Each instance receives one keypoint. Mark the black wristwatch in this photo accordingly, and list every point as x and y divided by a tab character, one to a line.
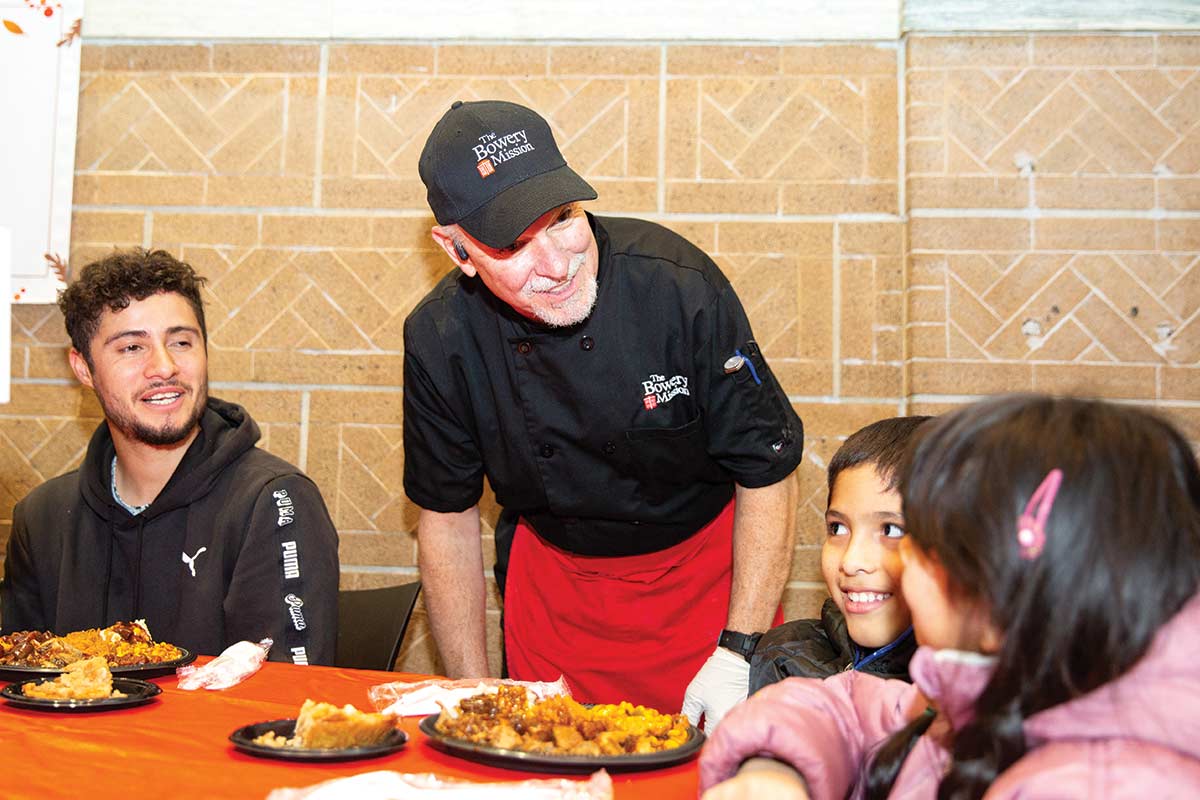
741	643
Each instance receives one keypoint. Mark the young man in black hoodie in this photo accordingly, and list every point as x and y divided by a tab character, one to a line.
175	516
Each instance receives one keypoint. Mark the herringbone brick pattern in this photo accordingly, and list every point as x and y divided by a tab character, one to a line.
782	144
1119	309
1054	122
1093	284
605	128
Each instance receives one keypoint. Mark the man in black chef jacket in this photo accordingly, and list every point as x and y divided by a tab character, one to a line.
602	375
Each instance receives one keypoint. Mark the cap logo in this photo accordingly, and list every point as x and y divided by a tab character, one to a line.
494	150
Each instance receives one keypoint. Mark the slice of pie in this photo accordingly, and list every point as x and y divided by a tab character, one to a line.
325	726
84	680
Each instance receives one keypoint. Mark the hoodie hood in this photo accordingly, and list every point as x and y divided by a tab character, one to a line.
1156	702
226	432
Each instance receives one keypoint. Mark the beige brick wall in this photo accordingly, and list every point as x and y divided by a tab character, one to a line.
910	225
1052	199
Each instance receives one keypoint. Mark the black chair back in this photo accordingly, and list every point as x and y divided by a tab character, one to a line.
371	625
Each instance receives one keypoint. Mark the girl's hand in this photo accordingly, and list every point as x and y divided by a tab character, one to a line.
761	779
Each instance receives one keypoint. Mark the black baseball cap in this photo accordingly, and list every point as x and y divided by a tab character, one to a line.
493	168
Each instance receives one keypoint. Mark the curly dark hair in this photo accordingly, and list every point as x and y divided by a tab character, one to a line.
116	280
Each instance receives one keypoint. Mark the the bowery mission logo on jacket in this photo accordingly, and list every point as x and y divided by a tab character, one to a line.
660	389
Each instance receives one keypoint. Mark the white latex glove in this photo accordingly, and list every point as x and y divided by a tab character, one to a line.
720	684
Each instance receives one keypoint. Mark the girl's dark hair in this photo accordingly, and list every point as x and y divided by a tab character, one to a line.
881	444
116	280
1121	556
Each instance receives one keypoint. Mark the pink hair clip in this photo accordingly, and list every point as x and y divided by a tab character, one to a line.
1031	527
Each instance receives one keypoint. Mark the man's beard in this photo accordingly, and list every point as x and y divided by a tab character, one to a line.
138	431
577	308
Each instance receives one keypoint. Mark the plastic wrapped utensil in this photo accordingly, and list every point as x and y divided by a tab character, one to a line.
236	663
432	696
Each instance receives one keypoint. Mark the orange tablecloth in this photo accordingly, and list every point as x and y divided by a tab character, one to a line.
178	746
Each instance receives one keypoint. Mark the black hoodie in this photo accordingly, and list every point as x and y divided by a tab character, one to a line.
237	545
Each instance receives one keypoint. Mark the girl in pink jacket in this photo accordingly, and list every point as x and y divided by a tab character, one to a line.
1052	564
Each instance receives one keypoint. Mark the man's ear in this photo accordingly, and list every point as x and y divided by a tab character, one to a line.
445	236
80	368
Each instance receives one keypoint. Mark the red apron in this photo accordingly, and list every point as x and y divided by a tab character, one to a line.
634	628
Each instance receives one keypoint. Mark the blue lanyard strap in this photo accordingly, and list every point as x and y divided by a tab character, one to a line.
861	660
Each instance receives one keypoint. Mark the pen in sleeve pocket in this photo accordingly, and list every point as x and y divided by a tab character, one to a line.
737	361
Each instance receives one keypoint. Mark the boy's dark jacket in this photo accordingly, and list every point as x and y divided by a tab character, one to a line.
254	530
818	648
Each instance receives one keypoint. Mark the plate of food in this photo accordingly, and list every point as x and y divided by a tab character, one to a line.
127	648
322	732
558	734
83	686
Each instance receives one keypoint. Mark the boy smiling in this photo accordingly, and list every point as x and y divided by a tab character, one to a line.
865	623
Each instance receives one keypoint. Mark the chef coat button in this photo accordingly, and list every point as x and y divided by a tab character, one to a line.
609	448
587	343
524	347
547	451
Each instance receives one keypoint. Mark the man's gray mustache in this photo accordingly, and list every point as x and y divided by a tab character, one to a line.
541	284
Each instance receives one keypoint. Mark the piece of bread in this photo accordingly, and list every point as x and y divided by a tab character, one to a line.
325	726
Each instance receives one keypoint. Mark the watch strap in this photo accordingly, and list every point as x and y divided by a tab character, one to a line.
741	643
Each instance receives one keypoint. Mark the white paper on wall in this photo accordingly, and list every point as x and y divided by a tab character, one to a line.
5	314
492	20
39	94
1051	15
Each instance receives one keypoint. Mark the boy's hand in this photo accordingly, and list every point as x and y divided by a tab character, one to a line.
761	779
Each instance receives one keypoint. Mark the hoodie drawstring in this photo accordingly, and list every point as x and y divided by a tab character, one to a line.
137	569
112	543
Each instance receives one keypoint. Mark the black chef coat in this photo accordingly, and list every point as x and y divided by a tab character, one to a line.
621	435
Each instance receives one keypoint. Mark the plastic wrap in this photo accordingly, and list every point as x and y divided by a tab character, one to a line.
236	663
430	697
386	785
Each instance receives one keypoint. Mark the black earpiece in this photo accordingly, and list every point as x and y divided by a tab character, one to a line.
462	251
